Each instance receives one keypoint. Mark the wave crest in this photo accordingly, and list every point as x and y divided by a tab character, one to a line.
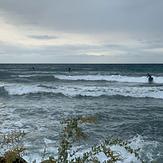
84	91
111	78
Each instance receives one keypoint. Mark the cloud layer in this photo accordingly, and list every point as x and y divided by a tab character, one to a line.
105	31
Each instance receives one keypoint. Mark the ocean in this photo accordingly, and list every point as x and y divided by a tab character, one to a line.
35	98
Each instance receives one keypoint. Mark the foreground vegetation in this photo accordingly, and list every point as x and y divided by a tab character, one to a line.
13	148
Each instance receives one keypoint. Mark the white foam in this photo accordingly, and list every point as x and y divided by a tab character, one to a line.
101	157
27	76
117	78
147	148
124	154
79	90
20	89
136	142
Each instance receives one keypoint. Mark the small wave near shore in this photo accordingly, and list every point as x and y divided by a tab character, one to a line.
82	90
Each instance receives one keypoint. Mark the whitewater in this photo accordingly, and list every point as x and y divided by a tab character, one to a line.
136	87
119	96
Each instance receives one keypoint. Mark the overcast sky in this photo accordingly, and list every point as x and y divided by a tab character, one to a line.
81	31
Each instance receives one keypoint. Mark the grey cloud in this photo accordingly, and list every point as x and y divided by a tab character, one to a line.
88	15
7	49
141	19
68	50
76	54
43	37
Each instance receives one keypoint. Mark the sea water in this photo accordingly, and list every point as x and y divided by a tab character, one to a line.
35	98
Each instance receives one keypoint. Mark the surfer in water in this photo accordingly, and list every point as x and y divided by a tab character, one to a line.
150	78
69	69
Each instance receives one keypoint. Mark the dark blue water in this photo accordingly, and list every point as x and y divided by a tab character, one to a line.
36	97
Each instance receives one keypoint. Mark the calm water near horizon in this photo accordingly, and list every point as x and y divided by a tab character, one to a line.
36	97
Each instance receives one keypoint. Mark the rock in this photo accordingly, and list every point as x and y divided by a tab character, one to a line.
16	160
2	160
19	160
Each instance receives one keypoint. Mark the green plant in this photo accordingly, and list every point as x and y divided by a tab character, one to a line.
12	143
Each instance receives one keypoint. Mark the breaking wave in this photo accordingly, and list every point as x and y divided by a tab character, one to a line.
117	78
85	91
38	77
110	78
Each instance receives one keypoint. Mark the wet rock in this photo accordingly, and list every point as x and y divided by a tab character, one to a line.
16	160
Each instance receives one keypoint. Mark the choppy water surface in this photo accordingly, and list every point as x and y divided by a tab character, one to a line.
37	99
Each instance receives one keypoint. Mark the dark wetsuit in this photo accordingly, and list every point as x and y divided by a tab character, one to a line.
69	69
150	78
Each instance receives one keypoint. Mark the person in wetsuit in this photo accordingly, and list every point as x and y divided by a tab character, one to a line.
69	69
150	78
